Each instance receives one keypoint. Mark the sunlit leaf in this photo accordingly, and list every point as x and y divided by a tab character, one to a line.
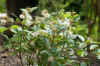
15	28
2	29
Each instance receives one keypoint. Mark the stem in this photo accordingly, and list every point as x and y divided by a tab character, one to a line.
20	53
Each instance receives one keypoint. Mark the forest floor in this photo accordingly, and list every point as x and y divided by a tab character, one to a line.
7	59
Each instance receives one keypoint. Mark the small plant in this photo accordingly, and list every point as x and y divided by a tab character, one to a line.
55	39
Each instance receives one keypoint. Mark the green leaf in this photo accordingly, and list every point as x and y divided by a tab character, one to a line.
83	64
2	29
98	53
15	28
98	56
81	53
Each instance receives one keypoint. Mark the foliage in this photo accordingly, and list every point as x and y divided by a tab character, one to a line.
68	5
55	39
2	5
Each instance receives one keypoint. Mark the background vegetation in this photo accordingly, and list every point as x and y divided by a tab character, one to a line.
66	34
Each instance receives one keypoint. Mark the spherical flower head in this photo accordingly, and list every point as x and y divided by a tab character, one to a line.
22	16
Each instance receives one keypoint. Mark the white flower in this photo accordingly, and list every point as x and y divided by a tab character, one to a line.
45	13
28	22
66	22
81	38
22	16
61	34
35	34
3	15
92	47
28	17
3	21
3	18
